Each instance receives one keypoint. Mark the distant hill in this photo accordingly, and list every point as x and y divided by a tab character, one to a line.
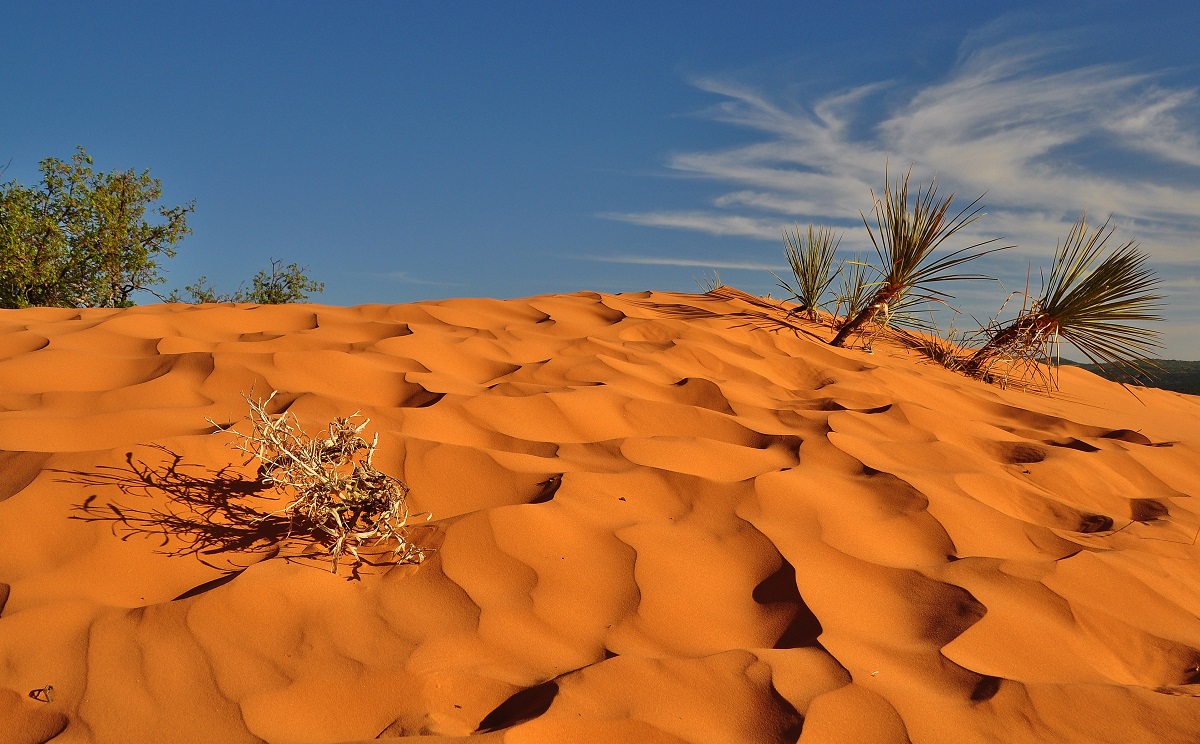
1177	375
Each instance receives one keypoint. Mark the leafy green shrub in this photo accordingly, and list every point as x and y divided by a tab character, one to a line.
289	284
282	285
80	238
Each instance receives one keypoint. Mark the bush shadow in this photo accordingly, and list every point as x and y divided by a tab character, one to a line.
193	509
763	315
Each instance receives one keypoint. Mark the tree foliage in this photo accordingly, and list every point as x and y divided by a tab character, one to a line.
287	284
82	238
281	285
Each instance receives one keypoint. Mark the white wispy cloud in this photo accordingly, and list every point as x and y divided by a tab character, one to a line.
405	278
1044	142
709	222
701	263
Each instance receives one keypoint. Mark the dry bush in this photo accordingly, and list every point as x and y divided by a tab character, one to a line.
337	494
950	350
1027	364
954	350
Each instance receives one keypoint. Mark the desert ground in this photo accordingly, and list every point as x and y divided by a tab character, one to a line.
647	517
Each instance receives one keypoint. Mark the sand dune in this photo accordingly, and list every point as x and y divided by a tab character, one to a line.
655	518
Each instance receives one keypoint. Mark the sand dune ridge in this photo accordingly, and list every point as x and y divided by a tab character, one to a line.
655	517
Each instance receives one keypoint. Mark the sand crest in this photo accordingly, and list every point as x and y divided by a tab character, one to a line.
655	518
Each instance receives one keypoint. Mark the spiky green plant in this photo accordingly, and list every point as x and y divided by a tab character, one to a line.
1088	301
905	238
709	283
853	288
810	258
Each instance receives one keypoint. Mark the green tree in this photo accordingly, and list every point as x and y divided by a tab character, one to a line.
202	292
81	238
281	285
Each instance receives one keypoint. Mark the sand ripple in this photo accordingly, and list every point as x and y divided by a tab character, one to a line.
656	518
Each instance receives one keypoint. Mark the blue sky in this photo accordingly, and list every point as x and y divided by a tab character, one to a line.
408	151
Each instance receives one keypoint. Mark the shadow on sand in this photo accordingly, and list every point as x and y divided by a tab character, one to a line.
194	510
765	315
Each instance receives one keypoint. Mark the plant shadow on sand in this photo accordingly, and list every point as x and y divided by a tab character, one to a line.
769	317
194	510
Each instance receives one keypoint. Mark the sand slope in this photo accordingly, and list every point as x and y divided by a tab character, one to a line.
656	518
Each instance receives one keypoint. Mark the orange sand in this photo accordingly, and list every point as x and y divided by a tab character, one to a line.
656	518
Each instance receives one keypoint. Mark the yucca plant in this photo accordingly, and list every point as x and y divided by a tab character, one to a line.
1088	301
905	238
709	283
853	288
810	258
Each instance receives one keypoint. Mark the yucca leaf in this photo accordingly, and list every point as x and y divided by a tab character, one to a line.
1090	300
810	258
906	233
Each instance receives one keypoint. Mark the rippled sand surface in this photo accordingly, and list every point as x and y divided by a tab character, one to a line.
655	518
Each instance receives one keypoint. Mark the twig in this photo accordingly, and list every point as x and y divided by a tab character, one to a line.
337	493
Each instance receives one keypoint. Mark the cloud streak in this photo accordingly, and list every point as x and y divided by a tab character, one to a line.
696	262
709	222
403	277
1043	142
